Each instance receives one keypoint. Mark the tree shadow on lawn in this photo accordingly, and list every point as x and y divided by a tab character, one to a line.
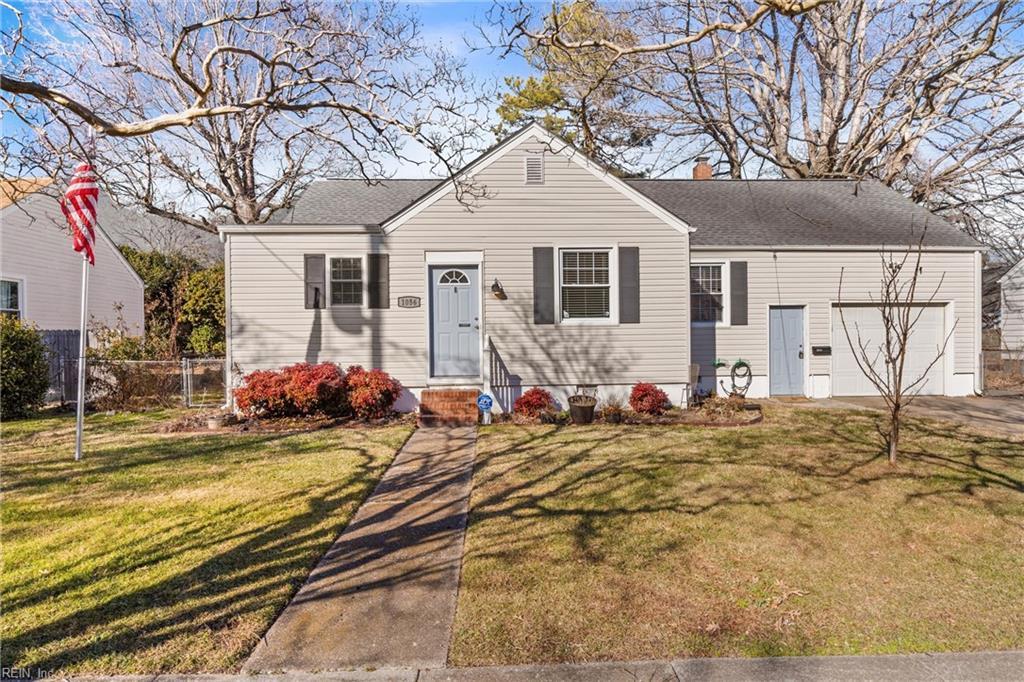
247	583
562	472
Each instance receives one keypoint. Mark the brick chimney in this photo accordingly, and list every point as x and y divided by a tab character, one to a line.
702	169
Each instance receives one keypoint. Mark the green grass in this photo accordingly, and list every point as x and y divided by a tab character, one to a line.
792	537
166	552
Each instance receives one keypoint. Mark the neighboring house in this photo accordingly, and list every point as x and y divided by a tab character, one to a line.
146	232
41	275
1011	321
991	297
564	275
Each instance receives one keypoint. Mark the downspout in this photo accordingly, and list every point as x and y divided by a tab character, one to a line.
979	354
229	398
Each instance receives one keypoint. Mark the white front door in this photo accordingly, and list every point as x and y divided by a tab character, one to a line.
454	321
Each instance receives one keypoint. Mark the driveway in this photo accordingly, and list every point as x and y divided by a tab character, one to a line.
999	414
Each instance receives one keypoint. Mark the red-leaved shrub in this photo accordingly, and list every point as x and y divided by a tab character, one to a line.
263	393
534	402
297	390
647	398
371	393
316	389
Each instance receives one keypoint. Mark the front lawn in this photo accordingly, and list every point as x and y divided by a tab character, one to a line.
792	537
166	552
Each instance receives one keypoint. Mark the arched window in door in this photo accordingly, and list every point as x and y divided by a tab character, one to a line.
453	277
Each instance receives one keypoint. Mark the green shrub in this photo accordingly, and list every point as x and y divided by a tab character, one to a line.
207	341
24	371
203	309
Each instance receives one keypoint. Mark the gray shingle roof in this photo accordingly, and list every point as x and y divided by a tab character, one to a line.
353	202
799	213
131	227
724	212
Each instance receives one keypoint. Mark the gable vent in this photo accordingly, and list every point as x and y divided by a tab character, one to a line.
534	170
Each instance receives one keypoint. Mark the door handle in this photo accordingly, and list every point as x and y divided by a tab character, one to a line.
801	352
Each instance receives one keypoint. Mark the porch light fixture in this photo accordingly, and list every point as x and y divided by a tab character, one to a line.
498	291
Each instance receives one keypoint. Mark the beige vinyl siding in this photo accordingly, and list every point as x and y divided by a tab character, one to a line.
811	278
572	208
35	247
1012	311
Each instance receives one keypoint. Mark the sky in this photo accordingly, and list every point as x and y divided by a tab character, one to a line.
455	24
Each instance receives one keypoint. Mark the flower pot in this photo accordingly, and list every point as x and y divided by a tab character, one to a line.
613	417
581	409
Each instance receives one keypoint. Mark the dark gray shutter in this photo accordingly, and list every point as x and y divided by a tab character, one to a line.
629	284
315	274
378	279
738	292
543	285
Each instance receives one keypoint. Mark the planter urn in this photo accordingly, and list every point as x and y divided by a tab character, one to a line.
581	409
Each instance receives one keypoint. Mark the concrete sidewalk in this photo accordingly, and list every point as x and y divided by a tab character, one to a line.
994	666
385	592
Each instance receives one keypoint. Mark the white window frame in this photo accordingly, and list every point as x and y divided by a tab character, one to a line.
726	292
613	285
20	281
330	282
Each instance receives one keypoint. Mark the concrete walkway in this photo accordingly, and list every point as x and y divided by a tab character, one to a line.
998	415
993	666
384	594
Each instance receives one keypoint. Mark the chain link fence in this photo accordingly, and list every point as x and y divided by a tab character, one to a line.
136	384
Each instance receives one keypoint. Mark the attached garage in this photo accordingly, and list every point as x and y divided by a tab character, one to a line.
866	321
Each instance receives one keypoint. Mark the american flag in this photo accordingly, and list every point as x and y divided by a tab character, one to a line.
79	207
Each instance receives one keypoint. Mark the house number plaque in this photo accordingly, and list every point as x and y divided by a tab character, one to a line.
408	301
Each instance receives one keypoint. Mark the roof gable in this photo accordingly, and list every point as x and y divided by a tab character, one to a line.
556	146
1018	267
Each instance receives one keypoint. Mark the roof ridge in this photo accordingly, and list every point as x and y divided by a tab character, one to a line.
378	180
737	180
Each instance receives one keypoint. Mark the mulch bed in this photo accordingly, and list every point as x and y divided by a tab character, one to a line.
192	423
748	415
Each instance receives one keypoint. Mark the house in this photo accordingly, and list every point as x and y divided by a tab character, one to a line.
42	275
563	275
1011	318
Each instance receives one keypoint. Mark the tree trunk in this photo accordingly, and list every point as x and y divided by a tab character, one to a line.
894	435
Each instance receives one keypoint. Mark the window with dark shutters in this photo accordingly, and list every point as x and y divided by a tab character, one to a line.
629	285
738	292
543	285
706	292
315	276
378	276
585	284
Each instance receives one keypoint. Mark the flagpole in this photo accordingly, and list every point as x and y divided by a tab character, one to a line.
83	332
82	340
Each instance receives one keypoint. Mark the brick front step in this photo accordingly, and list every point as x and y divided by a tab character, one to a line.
448	406
433	420
445	408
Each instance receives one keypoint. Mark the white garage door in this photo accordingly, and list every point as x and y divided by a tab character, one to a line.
925	343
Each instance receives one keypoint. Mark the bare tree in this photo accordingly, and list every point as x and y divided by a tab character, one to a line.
519	21
598	61
924	96
210	111
884	360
